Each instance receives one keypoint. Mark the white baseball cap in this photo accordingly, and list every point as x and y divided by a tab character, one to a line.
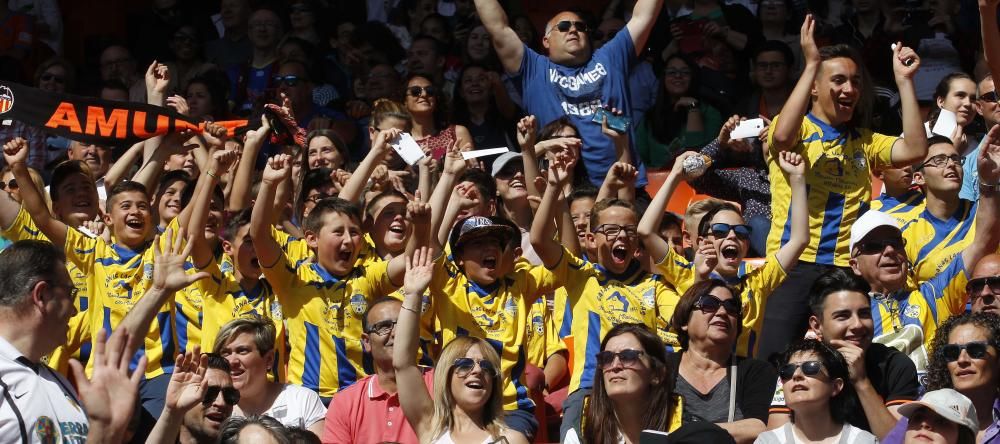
869	221
503	160
947	403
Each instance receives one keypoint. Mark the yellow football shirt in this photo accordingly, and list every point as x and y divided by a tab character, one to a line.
932	243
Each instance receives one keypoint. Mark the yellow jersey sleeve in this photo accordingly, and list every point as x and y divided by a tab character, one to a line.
296	250
757	287
879	149
23	228
676	270
81	250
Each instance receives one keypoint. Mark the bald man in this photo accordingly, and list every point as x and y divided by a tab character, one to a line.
984	286
575	79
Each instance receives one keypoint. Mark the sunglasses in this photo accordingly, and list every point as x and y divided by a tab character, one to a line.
941	161
464	366
565	25
722	230
976	286
8	185
976	350
809	368
49	77
710	304
382	328
417	91
289	80
628	358
230	395
878	245
990	97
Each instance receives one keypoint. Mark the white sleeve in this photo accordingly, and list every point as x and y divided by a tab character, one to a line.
313	410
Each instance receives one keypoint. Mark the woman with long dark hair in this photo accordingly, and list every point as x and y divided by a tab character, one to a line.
425	103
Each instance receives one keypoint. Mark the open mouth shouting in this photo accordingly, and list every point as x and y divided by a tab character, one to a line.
620	254
730	252
490	262
135	223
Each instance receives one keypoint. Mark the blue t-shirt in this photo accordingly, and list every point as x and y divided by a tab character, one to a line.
970	174
552	91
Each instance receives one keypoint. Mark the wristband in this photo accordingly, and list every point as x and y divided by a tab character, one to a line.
211	175
409	310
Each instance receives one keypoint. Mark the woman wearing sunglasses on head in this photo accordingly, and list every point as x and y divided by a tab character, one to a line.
717	386
816	385
431	130
467	403
631	389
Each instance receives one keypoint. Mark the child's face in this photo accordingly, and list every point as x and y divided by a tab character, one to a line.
213	224
169	203
242	252
615	238
837	89
483	260
730	249
129	218
390	228
77	200
672	234
337	243
579	210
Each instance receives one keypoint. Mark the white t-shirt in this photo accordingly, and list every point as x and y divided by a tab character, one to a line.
295	406
37	407
783	435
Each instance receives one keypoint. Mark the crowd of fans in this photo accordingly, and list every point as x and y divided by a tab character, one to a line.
288	272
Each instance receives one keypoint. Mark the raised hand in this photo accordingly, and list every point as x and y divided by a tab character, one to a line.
384	138
678	168
15	151
223	161
901	55
611	133
989	158
725	141
109	394
418	211
527	130
792	163
453	162
278	168
179	104
260	134
157	78
187	384
168	265
419	271
560	144
810	52
705	258
622	175
467	195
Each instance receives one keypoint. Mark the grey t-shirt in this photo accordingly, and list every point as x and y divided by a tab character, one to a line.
712	407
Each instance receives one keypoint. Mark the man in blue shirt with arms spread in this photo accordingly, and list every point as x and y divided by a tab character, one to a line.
574	80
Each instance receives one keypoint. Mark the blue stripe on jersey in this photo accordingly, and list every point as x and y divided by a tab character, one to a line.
566	329
593	347
830	232
877	320
182	327
523	401
425	354
967	224
32	233
310	368
106	322
941	230
84	302
166	341
346	373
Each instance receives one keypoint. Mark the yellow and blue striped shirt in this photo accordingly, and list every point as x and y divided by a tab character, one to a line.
904	208
932	243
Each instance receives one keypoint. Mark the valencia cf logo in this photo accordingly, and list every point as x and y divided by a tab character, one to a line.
6	99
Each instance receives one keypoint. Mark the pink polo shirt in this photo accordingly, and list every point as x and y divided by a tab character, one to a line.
364	413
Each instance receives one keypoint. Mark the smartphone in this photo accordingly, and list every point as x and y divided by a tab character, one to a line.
653	437
617	123
407	148
747	129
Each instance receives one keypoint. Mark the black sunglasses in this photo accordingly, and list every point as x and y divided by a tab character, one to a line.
976	350
809	368
976	286
464	366
416	91
990	96
382	328
565	25
876	246
230	395
722	230
11	185
710	304
46	77
628	358
289	80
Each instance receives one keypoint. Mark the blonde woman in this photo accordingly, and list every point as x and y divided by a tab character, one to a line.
467	404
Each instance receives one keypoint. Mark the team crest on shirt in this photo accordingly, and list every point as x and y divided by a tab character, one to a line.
859	160
359	304
226	267
147	271
45	429
510	307
425	303
276	312
649	299
912	311
538	325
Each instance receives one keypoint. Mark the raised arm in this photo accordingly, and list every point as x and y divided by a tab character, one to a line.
912	148
794	166
121	167
243	179
201	204
527	130
508	45
643	16
184	391
414	398
15	152
620	182
355	186
786	129
453	167
649	225
108	395
987	230
268	251
543	226
991	35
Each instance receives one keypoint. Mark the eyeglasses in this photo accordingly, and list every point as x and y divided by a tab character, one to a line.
49	77
976	350
710	304
464	366
677	73
565	25
878	245
613	230
628	358
230	395
769	66
289	80
316	197
722	230
990	97
941	160
73	291
417	91
809	368
382	328
12	184
976	286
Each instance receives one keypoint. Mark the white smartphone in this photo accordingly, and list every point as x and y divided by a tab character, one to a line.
407	148
747	129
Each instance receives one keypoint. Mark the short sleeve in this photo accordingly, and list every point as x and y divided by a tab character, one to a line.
336	429
313	410
676	270
778	399
281	276
879	150
376	275
81	249
22	228
901	380
542	280
619	52
296	250
772	151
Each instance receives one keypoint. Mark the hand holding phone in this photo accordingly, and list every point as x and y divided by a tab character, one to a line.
407	148
747	129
